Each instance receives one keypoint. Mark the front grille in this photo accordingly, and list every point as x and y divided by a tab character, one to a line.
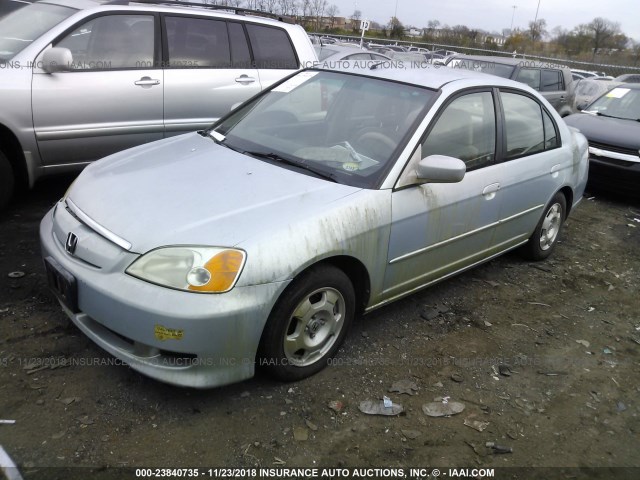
614	161
613	148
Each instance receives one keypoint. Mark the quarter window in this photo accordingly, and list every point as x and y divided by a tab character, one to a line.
550	134
271	47
112	42
466	129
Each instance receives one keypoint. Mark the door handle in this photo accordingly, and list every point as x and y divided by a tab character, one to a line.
245	79
489	191
147	82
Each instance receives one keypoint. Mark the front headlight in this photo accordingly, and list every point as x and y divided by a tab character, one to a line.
193	269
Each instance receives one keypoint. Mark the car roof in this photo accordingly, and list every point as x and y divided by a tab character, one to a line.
630	86
510	61
171	5
429	76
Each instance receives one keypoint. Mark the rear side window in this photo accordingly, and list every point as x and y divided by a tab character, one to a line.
528	127
271	47
551	81
197	42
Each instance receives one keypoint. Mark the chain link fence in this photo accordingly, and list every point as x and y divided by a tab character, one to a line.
608	69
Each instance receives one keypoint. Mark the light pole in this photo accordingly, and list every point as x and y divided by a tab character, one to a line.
395	13
537	10
512	17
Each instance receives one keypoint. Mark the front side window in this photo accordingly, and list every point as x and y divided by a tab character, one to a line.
197	42
466	129
112	42
271	47
530	76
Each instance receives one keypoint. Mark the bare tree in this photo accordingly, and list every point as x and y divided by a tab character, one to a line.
287	7
538	29
602	31
318	7
355	20
332	13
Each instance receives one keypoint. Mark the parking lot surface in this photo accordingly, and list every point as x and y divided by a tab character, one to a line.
543	356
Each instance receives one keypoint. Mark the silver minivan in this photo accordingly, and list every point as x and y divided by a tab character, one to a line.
81	79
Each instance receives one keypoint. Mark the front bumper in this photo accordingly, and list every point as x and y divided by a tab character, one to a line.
615	175
181	338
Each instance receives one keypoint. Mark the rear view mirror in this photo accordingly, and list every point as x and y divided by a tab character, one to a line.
441	169
57	60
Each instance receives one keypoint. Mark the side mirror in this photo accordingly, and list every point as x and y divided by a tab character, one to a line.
582	105
57	60
441	169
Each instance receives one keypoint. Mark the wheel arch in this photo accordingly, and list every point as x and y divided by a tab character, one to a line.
355	270
10	145
568	196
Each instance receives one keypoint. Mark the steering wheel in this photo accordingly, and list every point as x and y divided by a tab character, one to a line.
376	143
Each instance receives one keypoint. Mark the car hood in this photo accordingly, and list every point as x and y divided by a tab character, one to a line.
190	190
610	131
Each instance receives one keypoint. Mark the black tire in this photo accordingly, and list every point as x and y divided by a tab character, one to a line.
7	180
313	336
545	237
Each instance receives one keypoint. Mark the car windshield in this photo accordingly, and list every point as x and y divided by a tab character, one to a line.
484	66
20	28
345	127
618	103
324	52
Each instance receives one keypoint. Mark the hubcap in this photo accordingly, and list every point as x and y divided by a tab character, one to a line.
550	227
314	326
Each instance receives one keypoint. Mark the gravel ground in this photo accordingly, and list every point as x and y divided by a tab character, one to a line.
543	356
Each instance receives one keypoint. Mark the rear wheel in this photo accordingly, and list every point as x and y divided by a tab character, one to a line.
545	237
308	324
7	180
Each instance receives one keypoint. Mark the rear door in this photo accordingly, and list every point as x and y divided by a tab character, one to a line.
553	88
111	99
533	166
208	69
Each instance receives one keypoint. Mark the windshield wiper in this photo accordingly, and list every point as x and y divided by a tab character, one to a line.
277	158
219	139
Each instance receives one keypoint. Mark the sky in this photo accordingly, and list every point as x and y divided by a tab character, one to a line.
495	15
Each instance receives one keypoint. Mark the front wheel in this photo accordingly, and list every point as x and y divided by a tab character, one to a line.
545	236
308	324
7	180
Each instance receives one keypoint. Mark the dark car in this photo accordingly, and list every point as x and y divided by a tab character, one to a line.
628	78
612	126
554	82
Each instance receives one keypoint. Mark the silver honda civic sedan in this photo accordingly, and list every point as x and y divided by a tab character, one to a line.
199	258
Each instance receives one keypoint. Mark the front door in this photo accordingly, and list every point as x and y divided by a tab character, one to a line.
440	229
110	100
